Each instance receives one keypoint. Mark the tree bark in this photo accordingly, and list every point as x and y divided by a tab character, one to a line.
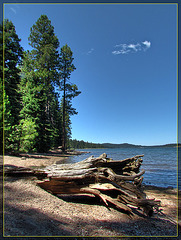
64	131
118	183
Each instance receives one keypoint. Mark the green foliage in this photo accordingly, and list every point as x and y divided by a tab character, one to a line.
66	65
34	117
45	51
1	117
30	105
76	144
67	119
11	132
1	89
43	65
28	135
11	55
29	89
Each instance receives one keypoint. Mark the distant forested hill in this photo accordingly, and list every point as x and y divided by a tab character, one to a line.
122	145
76	144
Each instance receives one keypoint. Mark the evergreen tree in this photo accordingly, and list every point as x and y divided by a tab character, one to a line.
56	121
31	102
69	91
1	89
45	59
67	121
33	110
34	120
13	54
12	57
76	144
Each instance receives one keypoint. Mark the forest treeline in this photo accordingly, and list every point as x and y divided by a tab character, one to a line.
76	144
35	92
79	144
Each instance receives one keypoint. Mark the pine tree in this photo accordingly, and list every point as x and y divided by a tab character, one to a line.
31	101
13	54
33	110
56	120
45	59
69	91
67	123
1	89
12	57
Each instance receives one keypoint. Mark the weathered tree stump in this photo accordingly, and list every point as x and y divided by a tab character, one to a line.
116	183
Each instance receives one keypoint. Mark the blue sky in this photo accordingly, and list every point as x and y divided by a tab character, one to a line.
126	60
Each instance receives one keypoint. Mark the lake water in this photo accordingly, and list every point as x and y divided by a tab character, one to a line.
160	164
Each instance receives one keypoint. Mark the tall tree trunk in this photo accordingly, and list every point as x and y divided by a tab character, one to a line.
64	132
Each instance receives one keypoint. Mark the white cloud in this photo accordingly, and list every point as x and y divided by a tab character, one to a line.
135	47
147	44
14	10
90	51
131	48
122	51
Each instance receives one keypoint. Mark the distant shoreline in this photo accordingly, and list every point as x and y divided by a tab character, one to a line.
81	144
127	145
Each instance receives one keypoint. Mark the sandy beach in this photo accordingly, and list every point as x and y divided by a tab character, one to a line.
31	211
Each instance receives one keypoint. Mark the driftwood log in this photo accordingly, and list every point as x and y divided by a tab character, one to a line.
117	183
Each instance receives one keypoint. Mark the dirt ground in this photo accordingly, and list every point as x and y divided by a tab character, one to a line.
30	211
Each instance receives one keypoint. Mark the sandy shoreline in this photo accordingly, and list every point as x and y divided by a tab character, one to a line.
31	211
39	160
